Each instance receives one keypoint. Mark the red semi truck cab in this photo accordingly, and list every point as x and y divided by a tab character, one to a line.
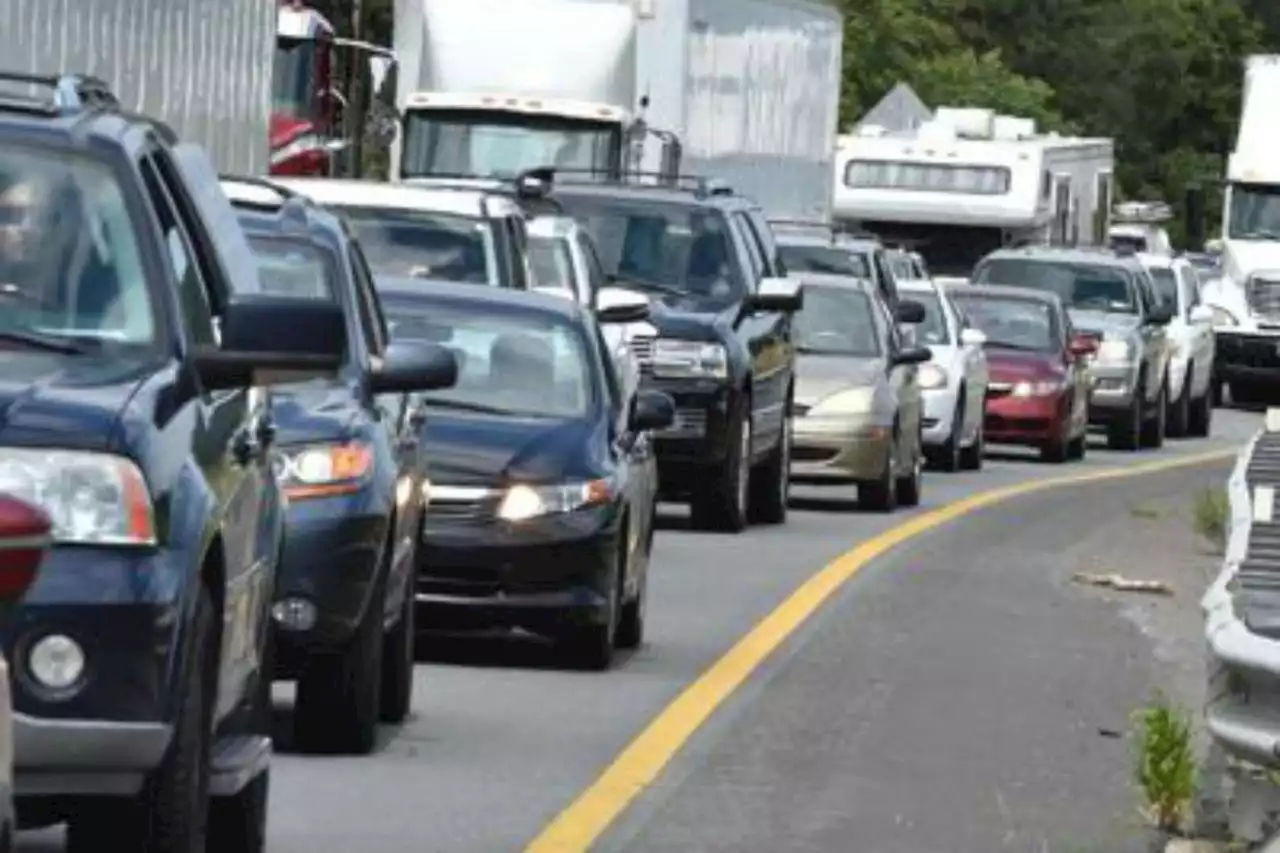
304	102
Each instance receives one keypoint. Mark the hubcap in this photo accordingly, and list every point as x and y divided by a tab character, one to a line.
744	466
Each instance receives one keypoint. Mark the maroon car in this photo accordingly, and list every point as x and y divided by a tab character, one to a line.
1038	388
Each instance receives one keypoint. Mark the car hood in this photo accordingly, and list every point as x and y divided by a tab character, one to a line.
466	449
820	376
689	316
1103	322
68	401
1017	366
310	412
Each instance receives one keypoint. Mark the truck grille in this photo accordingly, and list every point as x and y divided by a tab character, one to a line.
1264	296
642	349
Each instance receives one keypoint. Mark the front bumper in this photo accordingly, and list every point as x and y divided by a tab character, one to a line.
1247	356
542	575
1114	386
1022	420
699	436
839	449
939	415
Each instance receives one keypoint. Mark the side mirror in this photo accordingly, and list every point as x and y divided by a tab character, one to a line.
776	294
412	366
1081	346
1161	315
910	312
972	337
651	410
269	340
620	305
912	355
1201	314
25	537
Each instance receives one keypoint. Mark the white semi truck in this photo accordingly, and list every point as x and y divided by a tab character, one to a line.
201	66
1246	298
746	91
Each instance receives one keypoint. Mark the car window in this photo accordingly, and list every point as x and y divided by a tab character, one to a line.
755	256
901	267
595	272
517	364
552	263
372	324
424	244
1092	287
294	267
824	259
836	321
1190	286
1166	285
613	385
193	295
934	328
1008	323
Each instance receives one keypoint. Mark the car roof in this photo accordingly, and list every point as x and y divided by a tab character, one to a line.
831	280
837	241
551	226
917	285
505	299
338	191
1005	291
1096	255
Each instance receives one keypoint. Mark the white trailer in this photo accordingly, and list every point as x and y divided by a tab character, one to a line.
201	66
970	181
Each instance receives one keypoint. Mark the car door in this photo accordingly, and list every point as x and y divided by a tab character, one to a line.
1078	375
231	434
1200	335
902	381
975	365
768	338
1154	337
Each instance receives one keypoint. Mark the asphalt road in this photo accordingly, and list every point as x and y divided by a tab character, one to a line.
944	701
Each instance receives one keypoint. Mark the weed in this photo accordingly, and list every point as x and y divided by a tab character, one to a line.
1211	514
1164	764
1145	512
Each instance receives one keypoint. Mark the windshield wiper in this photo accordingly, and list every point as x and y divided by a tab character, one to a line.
466	406
653	286
48	343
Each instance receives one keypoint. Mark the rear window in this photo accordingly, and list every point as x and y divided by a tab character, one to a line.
424	244
294	268
1085	286
824	259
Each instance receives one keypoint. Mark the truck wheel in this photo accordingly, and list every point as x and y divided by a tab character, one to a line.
721	503
1153	426
337	707
1201	420
398	661
1125	432
170	815
771	482
1179	411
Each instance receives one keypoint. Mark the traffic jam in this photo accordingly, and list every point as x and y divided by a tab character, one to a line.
264	418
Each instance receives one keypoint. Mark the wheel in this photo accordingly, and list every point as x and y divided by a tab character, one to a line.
336	711
908	488
1125	432
947	457
1078	446
170	814
1247	393
881	494
631	623
971	456
398	662
1200	423
771	482
1178	412
1153	427
591	646
722	502
1216	391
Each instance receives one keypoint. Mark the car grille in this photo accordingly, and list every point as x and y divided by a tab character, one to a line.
1264	297
999	389
460	503
642	350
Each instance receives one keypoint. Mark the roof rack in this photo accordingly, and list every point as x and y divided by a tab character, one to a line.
71	93
700	185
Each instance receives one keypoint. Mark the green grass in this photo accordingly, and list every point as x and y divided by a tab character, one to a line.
1211	516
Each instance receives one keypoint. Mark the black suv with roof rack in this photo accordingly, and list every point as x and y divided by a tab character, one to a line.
721	344
135	343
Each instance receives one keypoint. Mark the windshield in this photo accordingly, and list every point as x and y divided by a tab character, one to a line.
668	246
496	144
934	328
1127	242
1022	324
531	365
70	264
1254	213
1090	287
293	267
948	250
1166	285
824	259
293	82
551	263
836	321
423	244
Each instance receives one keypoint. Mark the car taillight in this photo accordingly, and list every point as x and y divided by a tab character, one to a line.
25	536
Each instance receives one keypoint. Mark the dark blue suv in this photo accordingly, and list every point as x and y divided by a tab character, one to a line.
135	347
351	468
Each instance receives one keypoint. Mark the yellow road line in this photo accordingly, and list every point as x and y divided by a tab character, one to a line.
587	818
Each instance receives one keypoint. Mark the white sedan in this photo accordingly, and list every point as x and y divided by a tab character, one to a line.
953	382
1192	346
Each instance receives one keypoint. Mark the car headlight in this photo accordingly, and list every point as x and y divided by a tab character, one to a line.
1039	388
675	359
324	470
91	498
1116	351
852	401
1223	317
524	501
931	376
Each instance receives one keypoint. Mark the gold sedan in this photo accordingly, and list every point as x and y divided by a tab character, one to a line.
858	406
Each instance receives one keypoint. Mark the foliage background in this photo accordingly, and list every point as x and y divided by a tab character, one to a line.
1161	76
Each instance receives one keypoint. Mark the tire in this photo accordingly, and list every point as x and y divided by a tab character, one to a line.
1153	426
1200	423
1125	433
171	813
910	487
1078	447
398	662
1178	412
947	457
722	503
1217	392
336	711
881	495
971	457
631	622
770	484
591	647
1247	393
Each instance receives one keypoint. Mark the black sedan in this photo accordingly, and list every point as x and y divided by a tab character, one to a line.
542	478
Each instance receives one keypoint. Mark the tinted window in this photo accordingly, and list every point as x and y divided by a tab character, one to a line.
424	245
1020	324
1166	285
1092	287
902	267
934	328
292	267
824	259
1128	242
668	245
530	365
552	263
836	321
69	259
